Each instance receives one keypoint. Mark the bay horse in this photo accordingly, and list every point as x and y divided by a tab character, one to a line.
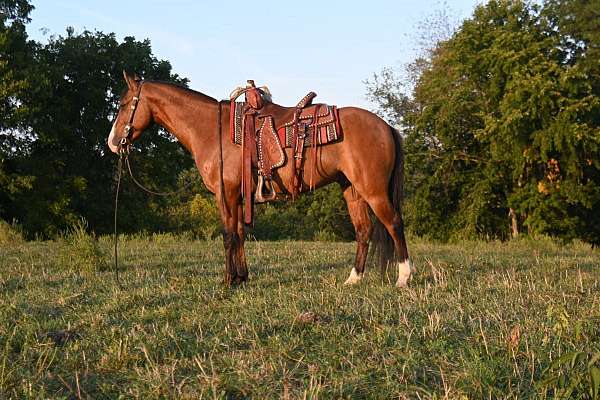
367	164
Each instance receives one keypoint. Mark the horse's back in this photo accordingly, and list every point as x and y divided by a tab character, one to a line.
367	139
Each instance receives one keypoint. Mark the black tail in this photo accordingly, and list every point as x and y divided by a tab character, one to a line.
382	246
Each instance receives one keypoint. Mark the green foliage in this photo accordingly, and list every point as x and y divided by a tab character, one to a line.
81	251
10	234
16	56
505	115
194	209
15	11
574	375
320	215
501	119
55	168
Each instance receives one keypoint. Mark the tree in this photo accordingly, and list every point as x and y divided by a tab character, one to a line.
502	133
15	59
15	56
78	80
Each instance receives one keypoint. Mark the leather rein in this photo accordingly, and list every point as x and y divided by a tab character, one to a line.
124	149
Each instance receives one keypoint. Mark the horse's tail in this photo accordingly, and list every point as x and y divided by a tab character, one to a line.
383	248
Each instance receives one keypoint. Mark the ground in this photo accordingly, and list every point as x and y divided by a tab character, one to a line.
479	320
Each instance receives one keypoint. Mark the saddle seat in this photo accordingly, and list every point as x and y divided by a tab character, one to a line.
264	129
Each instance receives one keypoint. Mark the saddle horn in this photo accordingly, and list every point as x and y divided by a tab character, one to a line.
238	91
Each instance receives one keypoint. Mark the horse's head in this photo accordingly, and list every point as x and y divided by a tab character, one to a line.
134	115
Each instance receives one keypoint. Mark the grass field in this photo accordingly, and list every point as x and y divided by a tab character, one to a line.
480	320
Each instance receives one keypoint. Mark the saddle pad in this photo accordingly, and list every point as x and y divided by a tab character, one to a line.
328	126
236	121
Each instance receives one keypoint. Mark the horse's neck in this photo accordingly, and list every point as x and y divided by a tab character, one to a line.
190	117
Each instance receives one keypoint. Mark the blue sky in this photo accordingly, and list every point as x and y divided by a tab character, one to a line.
330	47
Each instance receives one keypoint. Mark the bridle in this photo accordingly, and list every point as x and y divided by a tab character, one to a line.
125	142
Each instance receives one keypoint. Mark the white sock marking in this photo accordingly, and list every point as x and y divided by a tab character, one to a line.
404	271
354	277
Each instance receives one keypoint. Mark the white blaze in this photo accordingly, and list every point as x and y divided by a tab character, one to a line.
111	139
404	271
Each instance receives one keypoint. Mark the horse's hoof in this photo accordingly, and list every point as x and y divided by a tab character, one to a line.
354	278
240	280
401	284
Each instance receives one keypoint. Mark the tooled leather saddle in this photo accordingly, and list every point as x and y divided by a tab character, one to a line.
265	129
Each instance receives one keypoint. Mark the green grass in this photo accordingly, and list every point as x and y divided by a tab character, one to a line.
480	320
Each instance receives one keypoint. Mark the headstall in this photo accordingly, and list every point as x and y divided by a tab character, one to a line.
125	142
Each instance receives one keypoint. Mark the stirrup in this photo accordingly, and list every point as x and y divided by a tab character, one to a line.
258	196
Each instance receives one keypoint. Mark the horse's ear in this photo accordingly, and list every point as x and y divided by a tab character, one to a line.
130	80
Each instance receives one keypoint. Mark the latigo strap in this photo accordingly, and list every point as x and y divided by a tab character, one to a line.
249	158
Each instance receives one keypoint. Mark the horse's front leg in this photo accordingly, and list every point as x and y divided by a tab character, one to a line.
235	260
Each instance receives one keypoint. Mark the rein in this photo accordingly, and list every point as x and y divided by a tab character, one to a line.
120	168
124	151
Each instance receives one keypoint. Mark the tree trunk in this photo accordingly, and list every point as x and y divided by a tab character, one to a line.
514	227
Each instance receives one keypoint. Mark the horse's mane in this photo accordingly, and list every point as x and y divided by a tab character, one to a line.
184	88
175	85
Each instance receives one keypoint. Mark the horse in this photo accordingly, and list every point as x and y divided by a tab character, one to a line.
367	164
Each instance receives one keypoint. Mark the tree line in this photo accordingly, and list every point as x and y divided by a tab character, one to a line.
501	123
499	117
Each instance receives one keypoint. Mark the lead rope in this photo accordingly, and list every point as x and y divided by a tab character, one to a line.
145	189
124	152
120	173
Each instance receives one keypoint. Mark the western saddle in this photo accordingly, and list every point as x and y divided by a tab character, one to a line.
264	129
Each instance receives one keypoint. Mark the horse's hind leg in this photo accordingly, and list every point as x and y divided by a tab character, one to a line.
374	190
359	214
392	220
